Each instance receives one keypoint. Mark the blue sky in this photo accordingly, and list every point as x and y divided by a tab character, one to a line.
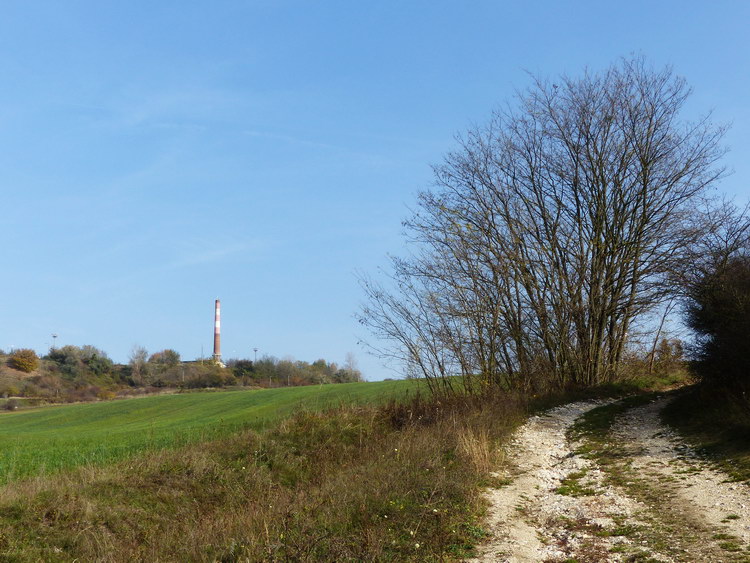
157	155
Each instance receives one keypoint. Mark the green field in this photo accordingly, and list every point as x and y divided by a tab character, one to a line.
50	439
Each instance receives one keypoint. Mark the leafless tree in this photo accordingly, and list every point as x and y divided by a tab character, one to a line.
548	232
138	362
721	232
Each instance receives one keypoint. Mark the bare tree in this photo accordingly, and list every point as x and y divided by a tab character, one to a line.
721	232
138	364
548	232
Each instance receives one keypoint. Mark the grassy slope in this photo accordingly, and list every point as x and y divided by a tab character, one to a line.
395	482
52	438
10	377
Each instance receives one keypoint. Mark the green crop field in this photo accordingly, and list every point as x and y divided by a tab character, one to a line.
50	439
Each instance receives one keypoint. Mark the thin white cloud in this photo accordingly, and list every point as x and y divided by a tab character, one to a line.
197	254
291	139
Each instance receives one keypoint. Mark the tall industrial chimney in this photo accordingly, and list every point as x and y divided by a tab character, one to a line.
217	332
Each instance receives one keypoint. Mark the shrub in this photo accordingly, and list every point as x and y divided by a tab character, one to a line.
31	390
83	365
243	369
719	313
8	391
11	405
165	357
198	376
24	360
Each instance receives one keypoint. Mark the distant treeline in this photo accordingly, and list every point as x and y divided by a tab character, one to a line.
271	372
79	373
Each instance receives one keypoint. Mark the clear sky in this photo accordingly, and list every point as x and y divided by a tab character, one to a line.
157	155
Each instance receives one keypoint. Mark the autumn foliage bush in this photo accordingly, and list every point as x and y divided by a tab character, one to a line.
24	360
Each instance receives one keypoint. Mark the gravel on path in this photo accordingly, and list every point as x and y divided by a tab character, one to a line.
558	505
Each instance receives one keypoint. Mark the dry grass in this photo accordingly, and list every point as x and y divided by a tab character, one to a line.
392	483
477	448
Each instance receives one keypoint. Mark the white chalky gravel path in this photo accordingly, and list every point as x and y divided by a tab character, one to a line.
659	452
530	521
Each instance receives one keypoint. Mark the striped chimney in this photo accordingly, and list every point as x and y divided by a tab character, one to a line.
217	332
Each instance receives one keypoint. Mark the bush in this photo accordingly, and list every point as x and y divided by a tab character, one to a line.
85	365
11	405
242	368
197	376
165	357
105	395
719	313
8	391
24	360
31	390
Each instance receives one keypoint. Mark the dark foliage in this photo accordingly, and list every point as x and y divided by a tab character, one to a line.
82	364
719	312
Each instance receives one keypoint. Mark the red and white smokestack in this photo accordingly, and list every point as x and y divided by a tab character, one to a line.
217	332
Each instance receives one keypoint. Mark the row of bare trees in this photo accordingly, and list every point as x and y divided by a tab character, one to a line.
549	233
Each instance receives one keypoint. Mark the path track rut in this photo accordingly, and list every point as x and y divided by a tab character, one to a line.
560	505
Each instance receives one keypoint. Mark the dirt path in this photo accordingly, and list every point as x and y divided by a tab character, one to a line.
648	499
688	485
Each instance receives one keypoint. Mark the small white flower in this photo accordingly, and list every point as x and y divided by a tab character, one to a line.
416	545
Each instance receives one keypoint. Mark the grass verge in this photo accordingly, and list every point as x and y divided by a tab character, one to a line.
717	425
